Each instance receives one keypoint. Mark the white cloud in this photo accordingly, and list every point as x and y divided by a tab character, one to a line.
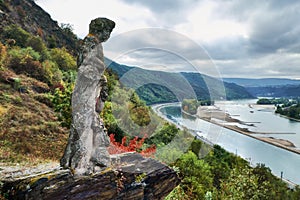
80	13
257	39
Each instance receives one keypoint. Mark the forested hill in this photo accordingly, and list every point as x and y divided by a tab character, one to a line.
160	87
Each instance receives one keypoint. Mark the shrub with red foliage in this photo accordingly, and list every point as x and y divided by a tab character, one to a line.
134	145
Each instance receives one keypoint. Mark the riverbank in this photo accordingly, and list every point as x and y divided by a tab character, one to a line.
216	116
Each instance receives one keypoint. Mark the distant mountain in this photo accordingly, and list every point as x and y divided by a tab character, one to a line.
269	87
118	68
262	82
275	91
160	87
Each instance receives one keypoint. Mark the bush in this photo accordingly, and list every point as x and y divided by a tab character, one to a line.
63	59
164	135
26	61
133	145
196	175
61	100
53	75
16	33
37	44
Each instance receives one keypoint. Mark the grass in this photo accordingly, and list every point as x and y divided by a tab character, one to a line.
29	130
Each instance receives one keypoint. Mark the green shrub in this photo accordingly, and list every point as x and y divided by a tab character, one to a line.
53	75
63	59
26	61
61	100
16	33
37	44
19	55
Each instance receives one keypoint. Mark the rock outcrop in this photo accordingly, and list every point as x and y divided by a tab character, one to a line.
131	177
86	151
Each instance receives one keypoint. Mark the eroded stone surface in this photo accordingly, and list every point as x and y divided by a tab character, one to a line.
86	151
130	177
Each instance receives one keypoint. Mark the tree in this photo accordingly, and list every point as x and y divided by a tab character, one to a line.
61	100
196	175
242	184
196	146
165	135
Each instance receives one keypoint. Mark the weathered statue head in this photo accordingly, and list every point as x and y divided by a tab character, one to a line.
101	28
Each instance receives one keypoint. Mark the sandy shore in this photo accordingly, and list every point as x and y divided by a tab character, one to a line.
210	113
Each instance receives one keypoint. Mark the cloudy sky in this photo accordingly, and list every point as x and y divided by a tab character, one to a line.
227	38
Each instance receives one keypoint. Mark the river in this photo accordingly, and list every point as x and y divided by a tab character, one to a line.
253	150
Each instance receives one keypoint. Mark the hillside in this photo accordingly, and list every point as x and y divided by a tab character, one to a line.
159	87
29	130
32	66
33	19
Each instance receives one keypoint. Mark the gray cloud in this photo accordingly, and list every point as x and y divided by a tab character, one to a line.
267	51
273	24
159	49
168	12
159	6
230	48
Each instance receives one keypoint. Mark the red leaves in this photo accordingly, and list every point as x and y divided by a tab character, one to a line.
134	145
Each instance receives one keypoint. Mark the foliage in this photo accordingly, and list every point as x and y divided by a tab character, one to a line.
138	111
37	44
292	111
19	55
191	105
196	147
63	59
226	176
164	135
196	175
61	100
154	93
110	122
26	61
53	75
169	153
126	113
134	145
285	101
177	193
243	184
16	33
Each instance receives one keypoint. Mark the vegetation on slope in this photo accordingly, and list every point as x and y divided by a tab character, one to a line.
161	87
30	73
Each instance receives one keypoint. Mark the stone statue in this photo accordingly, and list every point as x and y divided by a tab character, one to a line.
86	151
